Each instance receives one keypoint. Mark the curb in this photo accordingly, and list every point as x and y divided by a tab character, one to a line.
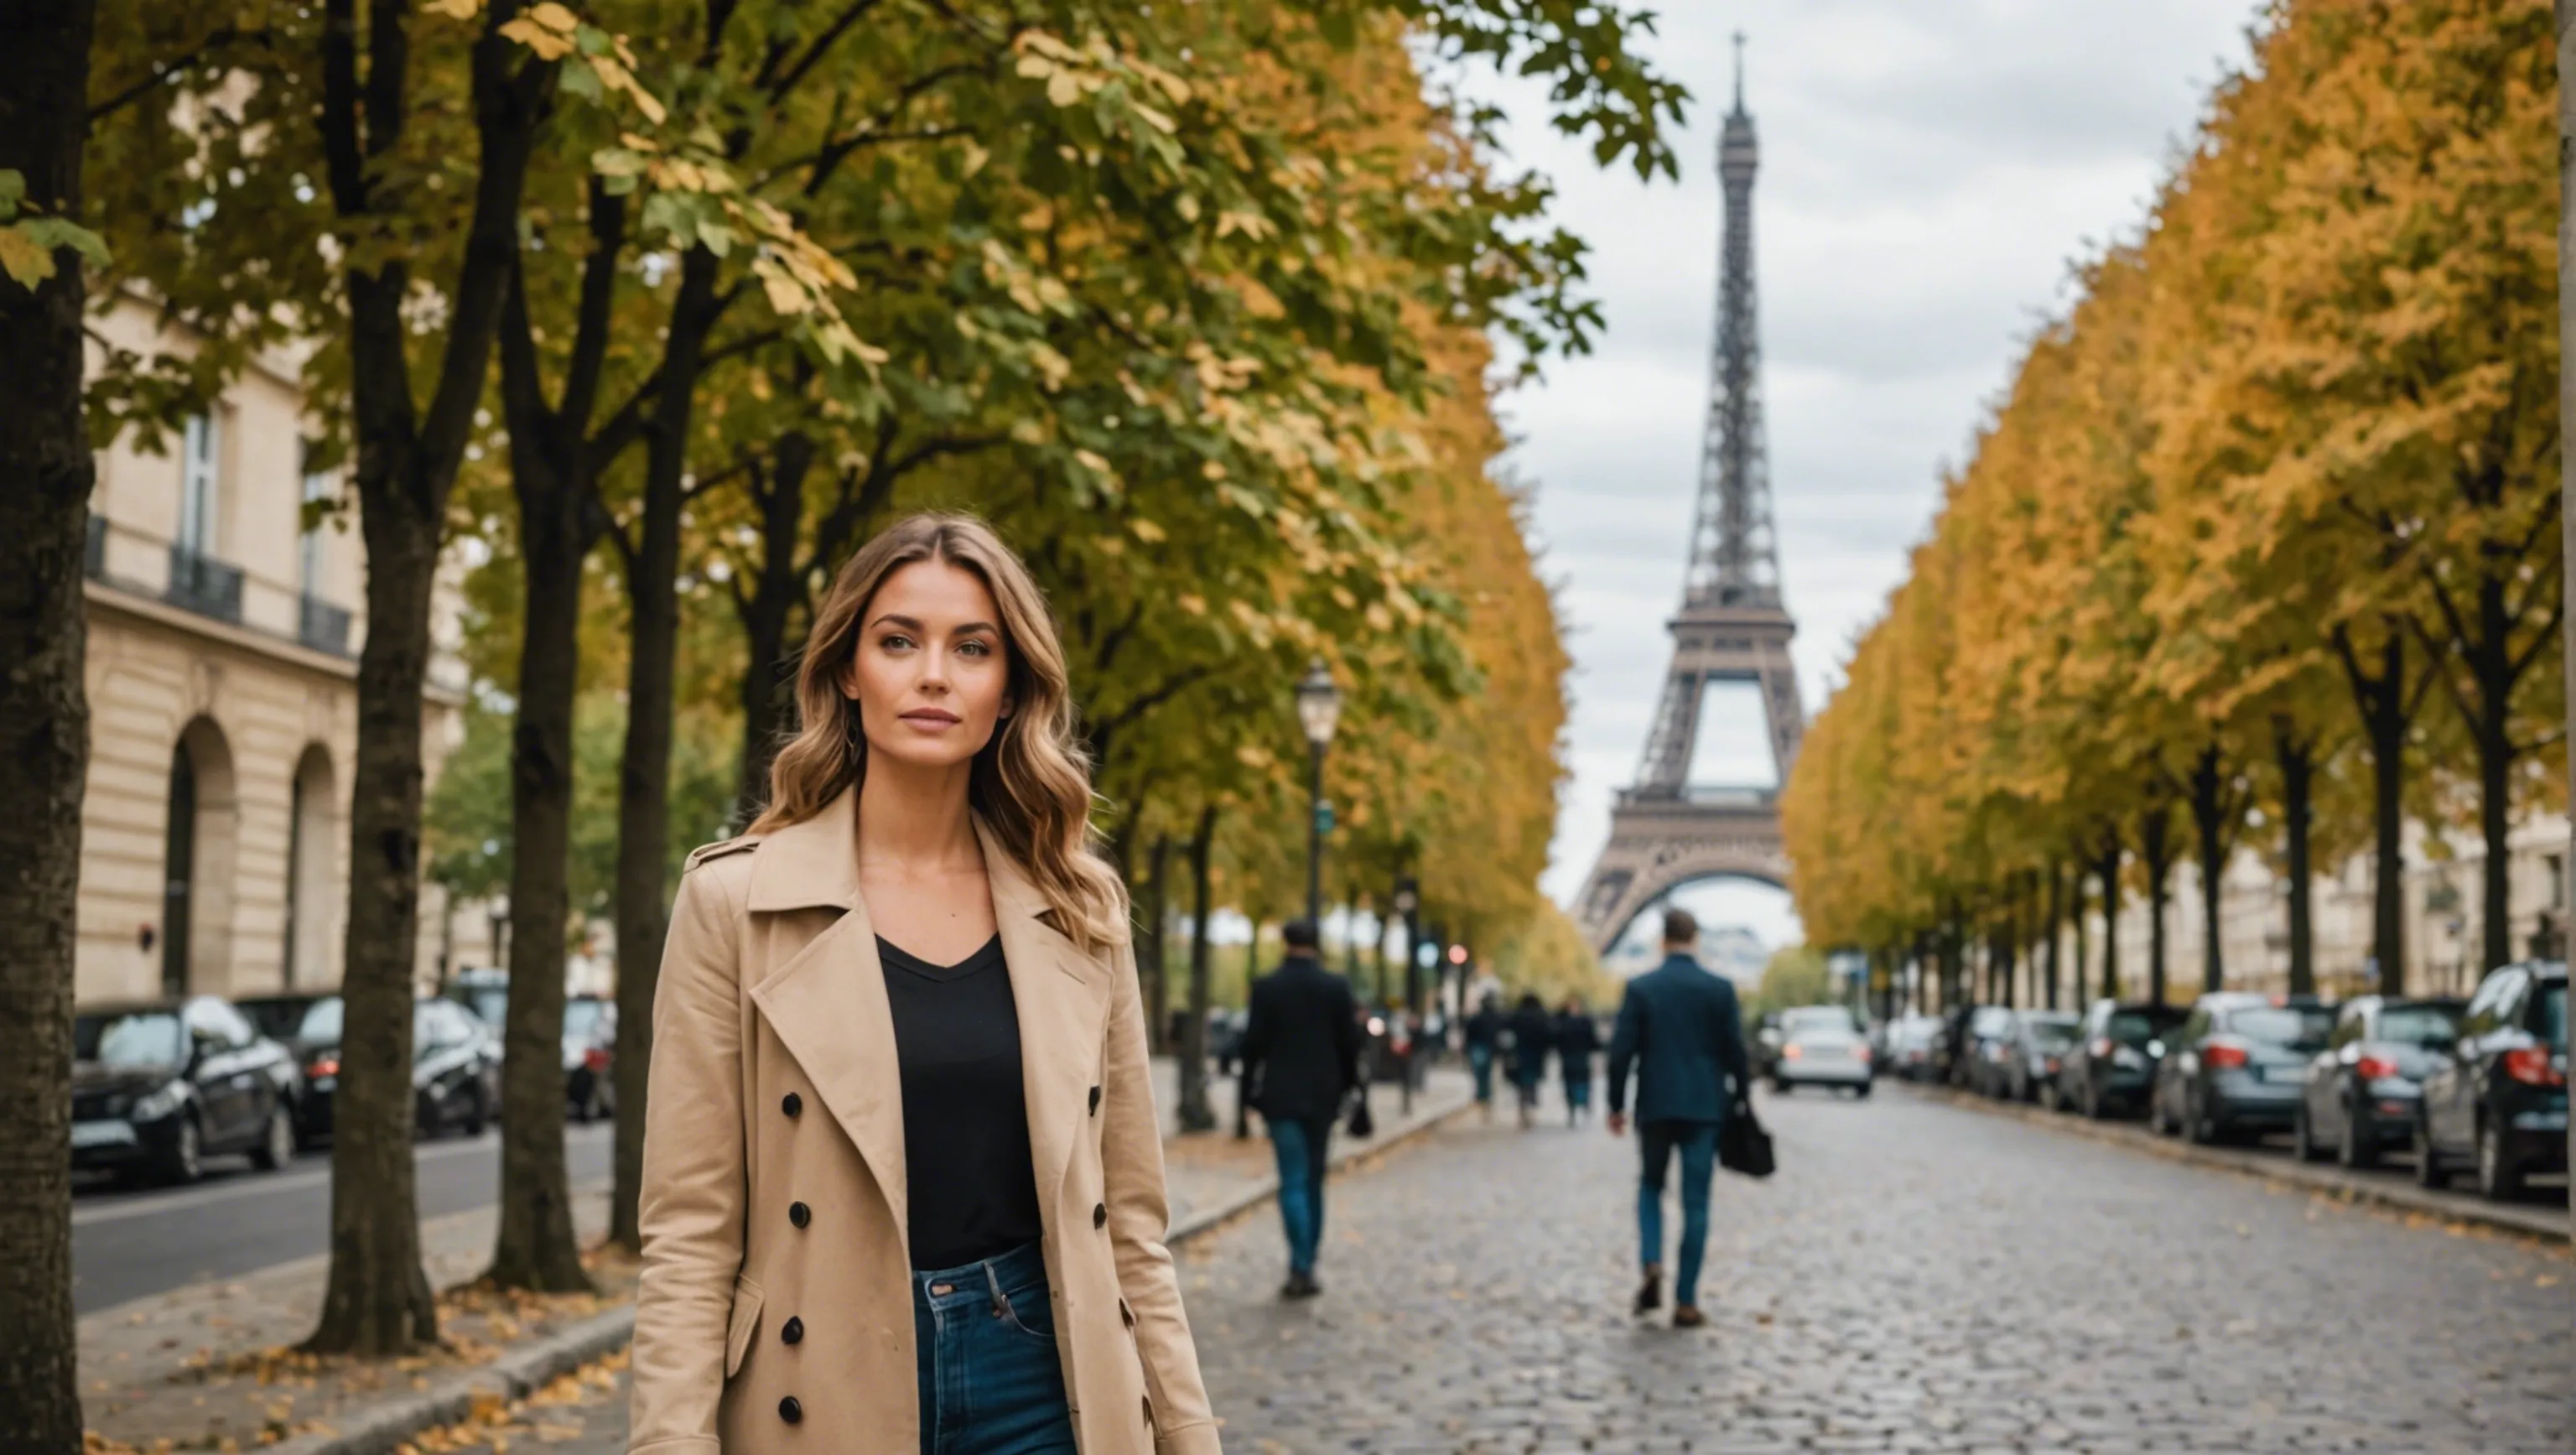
1208	1219
383	1428
2538	1223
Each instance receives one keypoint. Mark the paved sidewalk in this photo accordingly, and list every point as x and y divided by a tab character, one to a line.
2542	1215
212	1363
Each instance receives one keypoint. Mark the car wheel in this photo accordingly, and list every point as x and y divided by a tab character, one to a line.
185	1161
2359	1147
1861	1092
2303	1142
477	1115
2499	1176
2429	1171
276	1149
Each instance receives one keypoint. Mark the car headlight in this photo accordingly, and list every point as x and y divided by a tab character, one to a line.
158	1104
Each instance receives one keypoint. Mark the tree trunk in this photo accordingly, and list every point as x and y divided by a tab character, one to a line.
549	474
535	1247
2491	734
378	1301
1157	989
2155	850
2566	15
44	730
2108	869
2298	770
1195	1113
2384	721
777	592
2083	934
2056	918
644	767
2209	802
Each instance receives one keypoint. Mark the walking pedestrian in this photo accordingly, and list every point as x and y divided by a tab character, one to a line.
1679	1026
1301	1056
1532	1031
1578	1040
903	1173
1484	1039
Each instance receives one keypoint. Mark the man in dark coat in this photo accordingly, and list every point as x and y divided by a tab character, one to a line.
1532	1031
1679	1025
1301	1056
1578	1040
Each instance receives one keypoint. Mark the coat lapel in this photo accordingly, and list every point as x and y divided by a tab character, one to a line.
827	1003
1062	997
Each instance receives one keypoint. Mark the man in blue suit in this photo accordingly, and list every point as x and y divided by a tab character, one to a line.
1679	1025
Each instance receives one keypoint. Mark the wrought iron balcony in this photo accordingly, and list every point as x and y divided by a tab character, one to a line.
205	585
322	626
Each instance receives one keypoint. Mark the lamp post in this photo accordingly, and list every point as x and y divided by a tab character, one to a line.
1319	707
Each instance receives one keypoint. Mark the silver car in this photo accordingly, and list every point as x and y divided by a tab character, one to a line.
1820	1045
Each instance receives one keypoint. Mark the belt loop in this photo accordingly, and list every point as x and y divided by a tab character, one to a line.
993	1281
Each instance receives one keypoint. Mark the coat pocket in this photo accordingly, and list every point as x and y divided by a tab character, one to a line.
744	1323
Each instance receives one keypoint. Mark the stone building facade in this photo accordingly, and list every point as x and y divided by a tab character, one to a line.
222	675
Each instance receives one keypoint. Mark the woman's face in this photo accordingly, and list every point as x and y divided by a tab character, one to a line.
932	674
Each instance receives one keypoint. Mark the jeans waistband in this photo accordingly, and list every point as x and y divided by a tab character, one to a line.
1022	1268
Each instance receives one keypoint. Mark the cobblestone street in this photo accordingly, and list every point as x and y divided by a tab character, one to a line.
1917	1278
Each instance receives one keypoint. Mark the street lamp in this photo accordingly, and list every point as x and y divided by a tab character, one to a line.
1319	707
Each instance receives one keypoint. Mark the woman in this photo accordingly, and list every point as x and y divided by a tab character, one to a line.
1531	1029
903	1182
1578	1039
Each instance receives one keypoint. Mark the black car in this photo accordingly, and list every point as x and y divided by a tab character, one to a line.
279	1017
159	1087
2111	1068
455	1068
589	1057
1981	1064
2034	1051
2235	1065
2362	1092
2497	1094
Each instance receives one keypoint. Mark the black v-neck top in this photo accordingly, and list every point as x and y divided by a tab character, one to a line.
972	1193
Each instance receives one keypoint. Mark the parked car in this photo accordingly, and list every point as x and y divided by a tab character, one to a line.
2034	1051
1821	1045
2111	1068
455	1068
484	991
1909	1047
1762	1041
2497	1095
1981	1065
158	1087
2234	1066
2362	1092
279	1016
590	1057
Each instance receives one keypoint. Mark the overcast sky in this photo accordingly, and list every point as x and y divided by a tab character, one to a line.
1929	169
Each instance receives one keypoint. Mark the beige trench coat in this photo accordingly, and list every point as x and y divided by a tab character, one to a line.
774	1171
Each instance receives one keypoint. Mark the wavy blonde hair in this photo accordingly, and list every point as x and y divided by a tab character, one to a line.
1031	785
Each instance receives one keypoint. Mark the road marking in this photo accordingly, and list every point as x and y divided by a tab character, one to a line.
260	1184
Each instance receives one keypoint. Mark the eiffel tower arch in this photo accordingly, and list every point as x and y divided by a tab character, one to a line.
1732	632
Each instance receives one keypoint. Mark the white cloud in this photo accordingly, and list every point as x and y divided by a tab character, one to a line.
1928	173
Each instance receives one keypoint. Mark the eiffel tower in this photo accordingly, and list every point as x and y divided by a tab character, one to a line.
1666	831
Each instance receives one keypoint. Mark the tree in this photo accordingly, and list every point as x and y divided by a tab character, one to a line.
44	705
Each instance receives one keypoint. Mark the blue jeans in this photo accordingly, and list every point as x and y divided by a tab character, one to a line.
1480	1059
1697	1142
990	1380
1300	1146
